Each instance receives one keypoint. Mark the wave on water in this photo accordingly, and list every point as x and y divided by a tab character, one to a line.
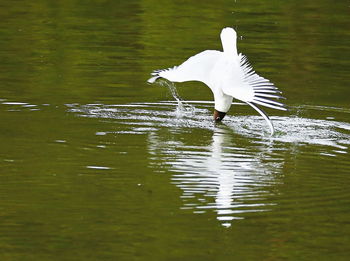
228	168
197	114
233	173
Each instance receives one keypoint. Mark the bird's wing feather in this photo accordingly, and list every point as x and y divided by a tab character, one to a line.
248	86
262	113
195	68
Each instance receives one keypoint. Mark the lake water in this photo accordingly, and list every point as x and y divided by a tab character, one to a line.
96	164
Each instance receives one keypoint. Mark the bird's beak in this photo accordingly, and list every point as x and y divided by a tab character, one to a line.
218	115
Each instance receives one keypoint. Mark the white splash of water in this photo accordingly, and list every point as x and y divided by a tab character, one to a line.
182	108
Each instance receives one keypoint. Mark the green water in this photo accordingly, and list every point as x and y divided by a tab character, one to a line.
96	164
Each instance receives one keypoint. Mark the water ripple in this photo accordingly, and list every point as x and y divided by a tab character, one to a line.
196	114
235	169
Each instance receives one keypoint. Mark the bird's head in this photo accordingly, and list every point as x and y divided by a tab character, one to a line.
218	115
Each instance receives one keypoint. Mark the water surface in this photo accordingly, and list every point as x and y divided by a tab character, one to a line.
96	164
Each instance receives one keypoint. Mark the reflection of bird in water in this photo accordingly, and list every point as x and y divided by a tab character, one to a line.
231	175
229	75
224	175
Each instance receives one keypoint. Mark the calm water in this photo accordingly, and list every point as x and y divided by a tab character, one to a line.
96	164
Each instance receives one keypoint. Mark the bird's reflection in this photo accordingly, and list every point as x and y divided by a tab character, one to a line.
221	176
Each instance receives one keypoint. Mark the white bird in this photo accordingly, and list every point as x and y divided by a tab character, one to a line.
229	75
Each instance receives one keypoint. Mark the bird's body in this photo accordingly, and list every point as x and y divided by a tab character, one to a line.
229	75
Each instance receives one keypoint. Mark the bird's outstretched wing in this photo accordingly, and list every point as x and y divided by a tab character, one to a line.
264	115
262	90
254	88
195	68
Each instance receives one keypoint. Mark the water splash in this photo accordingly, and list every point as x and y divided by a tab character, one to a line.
182	108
